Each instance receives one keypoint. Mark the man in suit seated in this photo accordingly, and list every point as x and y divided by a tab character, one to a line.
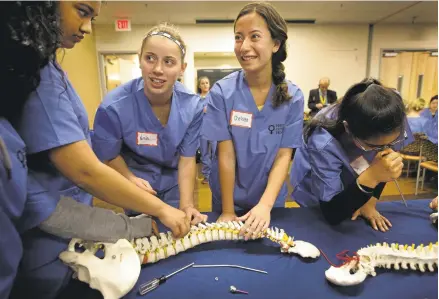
321	97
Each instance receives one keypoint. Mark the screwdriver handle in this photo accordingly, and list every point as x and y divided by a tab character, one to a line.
152	285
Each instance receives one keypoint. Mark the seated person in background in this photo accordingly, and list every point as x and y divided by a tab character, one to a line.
321	97
431	115
344	163
417	123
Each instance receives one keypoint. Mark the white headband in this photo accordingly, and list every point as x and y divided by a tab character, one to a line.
167	35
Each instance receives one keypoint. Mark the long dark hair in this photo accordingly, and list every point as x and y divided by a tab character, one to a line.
279	31
30	36
369	108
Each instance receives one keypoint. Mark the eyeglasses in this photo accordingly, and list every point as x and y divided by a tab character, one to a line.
373	147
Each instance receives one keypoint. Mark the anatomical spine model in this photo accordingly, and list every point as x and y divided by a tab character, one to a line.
153	249
117	273
364	262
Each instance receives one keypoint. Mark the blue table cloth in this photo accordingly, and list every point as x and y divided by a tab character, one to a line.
290	276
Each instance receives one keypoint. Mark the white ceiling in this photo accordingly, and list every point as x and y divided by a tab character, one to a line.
354	12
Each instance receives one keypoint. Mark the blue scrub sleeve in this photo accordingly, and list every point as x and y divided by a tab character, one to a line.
11	251
48	120
191	139
292	134
40	204
325	174
215	123
107	138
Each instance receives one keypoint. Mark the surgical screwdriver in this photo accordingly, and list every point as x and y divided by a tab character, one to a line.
399	189
153	284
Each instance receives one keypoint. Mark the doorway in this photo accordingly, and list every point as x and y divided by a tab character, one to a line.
413	73
118	69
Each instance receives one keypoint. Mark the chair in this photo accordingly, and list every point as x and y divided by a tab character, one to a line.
428	150
411	152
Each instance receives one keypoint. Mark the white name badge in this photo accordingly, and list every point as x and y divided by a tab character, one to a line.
241	119
148	139
360	165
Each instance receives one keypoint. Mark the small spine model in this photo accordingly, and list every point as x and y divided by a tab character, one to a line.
364	262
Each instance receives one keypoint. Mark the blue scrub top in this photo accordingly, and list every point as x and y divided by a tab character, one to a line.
432	124
53	116
417	124
257	135
12	201
322	167
126	125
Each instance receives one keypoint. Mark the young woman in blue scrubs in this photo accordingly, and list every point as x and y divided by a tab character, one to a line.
345	162
54	127
207	148
430	114
30	38
256	116
23	55
148	129
417	123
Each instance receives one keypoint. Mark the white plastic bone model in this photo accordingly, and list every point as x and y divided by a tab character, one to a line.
384	256
117	273
433	217
153	249
114	275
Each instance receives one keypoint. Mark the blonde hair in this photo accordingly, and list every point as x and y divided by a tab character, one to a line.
170	29
417	105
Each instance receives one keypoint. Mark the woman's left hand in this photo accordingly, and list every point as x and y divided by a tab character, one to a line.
256	221
369	212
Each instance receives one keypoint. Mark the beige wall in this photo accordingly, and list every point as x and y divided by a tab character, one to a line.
81	66
216	62
314	51
334	51
407	37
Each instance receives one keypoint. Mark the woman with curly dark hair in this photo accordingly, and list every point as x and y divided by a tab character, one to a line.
30	36
53	124
26	29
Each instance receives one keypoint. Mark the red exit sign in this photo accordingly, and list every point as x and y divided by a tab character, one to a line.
123	25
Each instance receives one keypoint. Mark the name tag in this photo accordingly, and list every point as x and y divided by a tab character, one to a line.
148	139
359	165
241	119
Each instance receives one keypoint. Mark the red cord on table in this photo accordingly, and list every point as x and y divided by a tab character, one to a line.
342	256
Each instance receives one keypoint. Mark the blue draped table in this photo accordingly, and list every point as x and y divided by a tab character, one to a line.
292	277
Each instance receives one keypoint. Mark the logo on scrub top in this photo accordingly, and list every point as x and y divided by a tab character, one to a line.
277	129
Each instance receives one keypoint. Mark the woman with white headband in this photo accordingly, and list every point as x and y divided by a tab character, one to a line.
148	129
